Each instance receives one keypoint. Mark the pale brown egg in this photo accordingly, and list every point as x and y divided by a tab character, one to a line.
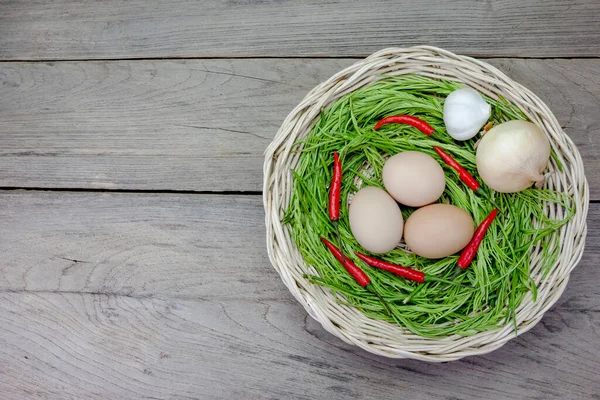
375	220
438	230
414	178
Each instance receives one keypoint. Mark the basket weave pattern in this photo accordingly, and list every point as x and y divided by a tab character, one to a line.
380	337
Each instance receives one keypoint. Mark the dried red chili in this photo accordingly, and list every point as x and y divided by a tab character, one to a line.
408	273
358	274
463	174
468	253
409	120
335	189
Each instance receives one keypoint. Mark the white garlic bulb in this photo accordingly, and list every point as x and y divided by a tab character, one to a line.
465	112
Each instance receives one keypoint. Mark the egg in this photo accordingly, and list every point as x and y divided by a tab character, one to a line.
438	230
375	220
414	178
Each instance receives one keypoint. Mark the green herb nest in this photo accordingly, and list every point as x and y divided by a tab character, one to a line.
500	276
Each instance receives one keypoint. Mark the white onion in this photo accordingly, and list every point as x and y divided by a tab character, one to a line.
465	112
512	156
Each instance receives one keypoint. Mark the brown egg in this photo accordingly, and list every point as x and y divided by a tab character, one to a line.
438	230
413	178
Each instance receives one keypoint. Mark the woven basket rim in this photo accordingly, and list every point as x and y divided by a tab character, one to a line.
380	337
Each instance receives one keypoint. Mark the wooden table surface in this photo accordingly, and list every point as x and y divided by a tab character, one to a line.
132	239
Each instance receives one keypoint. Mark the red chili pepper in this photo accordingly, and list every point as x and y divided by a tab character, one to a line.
468	253
357	273
408	273
463	174
411	274
335	188
406	119
359	276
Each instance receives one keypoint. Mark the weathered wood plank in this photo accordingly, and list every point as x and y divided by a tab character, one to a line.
187	246
57	346
203	125
155	309
79	29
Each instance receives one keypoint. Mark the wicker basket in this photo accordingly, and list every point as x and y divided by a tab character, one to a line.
380	337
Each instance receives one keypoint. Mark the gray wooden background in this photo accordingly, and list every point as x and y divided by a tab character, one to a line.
132	255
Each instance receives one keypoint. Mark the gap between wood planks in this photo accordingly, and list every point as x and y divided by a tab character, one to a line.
80	292
307	57
142	191
179	297
150	191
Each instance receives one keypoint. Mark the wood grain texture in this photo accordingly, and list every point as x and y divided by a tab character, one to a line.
80	29
203	125
165	296
135	245
172	297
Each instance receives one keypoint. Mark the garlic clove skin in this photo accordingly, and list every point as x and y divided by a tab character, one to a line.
512	156
465	113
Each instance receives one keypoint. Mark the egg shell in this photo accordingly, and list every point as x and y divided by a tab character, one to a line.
414	178
438	230
375	220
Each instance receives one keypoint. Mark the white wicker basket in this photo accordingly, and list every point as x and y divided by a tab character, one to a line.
384	338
